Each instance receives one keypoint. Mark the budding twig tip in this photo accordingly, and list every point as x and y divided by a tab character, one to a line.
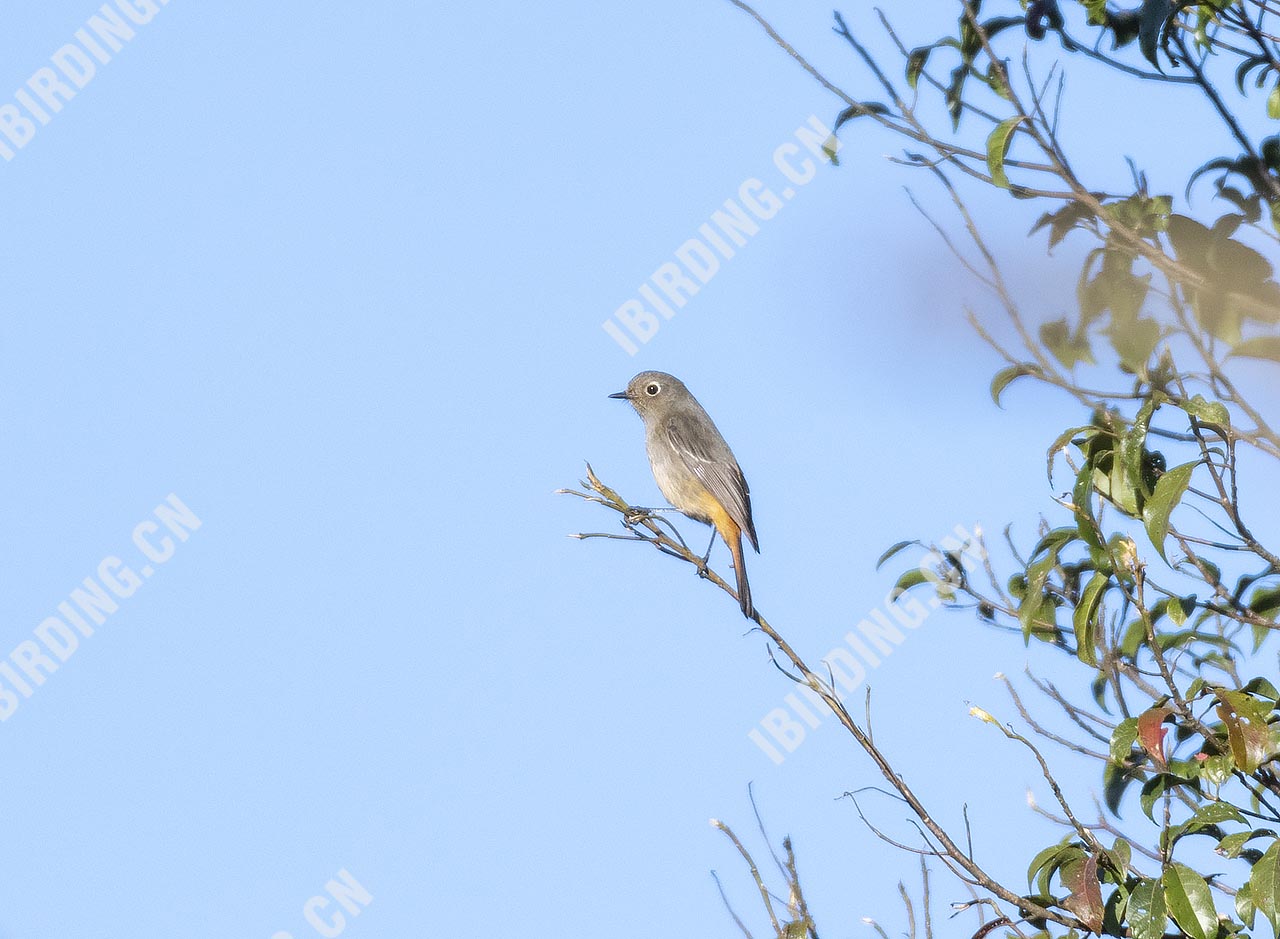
981	715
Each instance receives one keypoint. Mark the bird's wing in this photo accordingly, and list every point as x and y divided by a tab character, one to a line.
716	468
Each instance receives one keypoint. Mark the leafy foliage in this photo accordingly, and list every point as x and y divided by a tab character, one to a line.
1148	569
1151	575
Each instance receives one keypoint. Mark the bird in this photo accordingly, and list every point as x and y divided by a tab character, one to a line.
694	467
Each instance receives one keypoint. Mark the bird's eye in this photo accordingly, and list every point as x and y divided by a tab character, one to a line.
651	389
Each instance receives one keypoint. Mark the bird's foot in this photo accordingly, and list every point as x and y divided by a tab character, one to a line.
637	514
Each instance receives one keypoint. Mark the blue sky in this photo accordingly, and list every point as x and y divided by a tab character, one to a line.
335	279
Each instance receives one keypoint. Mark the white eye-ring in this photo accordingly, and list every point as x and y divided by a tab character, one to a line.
652	388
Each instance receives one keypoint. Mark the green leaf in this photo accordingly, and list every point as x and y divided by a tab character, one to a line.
1133	445
1043	858
1082	505
998	149
998	24
1273	103
1247	66
1036	612
1062	856
1070	216
1180	609
1154	788
1220	319
1245	907
1191	240
1260	347
1055	541
1006	376
1260	687
1134	341
1213	813
1238	265
1115	780
1123	739
1260	634
1146	214
954	95
1231	845
859	109
1190	902
1085	618
1134	638
1265	601
1215	572
912	578
1207	817
1065	438
1124	294
1147	912
1122	853
1207	412
1151	20
1098	14
830	146
1056	336
1217	769
1264	885
1115	912
894	550
1169	491
916	61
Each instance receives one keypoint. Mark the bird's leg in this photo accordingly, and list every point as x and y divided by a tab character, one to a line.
702	565
711	544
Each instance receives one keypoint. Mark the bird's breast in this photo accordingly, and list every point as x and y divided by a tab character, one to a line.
679	485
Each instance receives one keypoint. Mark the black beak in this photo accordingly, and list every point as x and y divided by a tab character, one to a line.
621	394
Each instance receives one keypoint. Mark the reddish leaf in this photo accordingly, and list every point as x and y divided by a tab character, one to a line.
1151	734
1247	730
1085	901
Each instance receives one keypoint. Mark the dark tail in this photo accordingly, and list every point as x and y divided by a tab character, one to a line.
740	569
